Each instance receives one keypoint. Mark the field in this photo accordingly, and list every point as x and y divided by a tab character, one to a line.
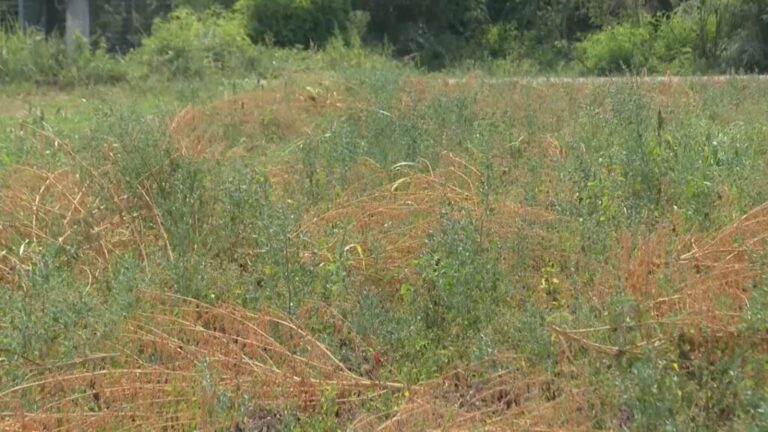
379	249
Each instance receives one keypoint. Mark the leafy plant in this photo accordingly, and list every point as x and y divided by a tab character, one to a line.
620	48
28	56
190	45
290	23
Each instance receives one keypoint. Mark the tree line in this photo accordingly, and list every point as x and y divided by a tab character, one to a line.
599	36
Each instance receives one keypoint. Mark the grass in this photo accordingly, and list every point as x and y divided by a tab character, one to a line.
372	248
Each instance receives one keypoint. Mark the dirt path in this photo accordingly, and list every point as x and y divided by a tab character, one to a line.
717	79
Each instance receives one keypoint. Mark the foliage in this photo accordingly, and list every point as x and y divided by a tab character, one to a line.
191	45
747	43
501	41
675	44
290	23
29	56
623	47
502	36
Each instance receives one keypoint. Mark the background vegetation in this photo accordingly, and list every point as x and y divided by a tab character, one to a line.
499	36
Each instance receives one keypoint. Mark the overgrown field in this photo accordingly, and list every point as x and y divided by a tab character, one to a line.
379	249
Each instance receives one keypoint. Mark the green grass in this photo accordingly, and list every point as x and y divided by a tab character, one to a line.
505	254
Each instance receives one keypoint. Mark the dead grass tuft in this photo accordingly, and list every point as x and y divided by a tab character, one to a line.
385	228
473	399
73	207
722	267
175	366
419	90
275	113
39	207
707	288
710	283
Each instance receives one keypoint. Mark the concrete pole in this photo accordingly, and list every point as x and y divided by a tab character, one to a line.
78	21
22	17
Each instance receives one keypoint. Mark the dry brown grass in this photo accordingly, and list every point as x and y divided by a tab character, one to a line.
172	365
388	221
711	282
514	398
283	112
73	206
173	360
705	291
419	90
40	207
722	267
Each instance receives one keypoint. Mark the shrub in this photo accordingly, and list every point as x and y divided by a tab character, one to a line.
501	40
462	285
190	45
29	56
675	42
294	22
616	49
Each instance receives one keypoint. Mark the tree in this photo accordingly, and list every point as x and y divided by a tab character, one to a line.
292	23
746	43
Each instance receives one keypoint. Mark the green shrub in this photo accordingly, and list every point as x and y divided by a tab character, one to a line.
509	51
58	314
462	282
619	48
290	23
501	40
191	45
674	44
29	56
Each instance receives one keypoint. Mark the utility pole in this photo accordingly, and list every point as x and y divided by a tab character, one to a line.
22	18
78	21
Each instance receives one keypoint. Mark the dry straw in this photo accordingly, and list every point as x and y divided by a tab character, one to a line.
173	365
387	214
41	207
285	113
706	291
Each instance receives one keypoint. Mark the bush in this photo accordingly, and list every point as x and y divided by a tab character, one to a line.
502	40
289	23
191	45
29	56
675	43
618	48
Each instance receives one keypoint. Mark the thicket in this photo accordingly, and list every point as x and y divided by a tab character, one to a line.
184	44
191	37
